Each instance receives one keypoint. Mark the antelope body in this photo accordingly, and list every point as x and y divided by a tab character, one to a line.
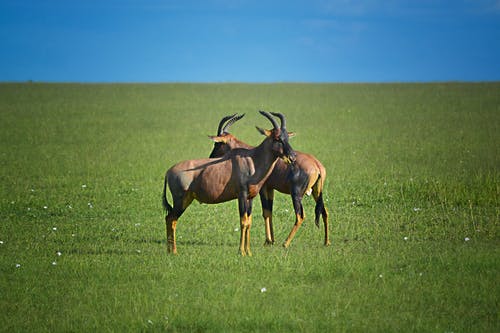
240	174
306	176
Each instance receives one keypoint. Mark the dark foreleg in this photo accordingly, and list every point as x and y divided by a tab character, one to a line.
266	199
245	209
299	217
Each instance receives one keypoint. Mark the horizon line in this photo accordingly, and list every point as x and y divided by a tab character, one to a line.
246	82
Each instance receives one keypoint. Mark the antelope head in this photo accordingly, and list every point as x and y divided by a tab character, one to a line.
279	136
224	141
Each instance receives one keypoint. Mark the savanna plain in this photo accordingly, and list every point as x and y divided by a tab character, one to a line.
412	189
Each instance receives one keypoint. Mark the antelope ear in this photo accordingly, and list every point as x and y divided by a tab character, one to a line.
221	139
291	134
263	131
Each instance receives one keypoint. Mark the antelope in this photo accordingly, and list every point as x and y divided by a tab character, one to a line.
239	174
307	175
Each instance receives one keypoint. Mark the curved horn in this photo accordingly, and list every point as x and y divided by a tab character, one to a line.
230	122
226	118
271	119
282	118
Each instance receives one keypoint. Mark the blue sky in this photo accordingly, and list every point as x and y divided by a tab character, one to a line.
249	41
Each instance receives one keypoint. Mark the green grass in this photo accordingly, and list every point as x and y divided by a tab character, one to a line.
412	190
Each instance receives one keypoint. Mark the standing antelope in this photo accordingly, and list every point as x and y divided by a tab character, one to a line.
239	174
307	175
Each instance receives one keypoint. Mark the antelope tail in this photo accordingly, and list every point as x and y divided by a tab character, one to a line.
166	205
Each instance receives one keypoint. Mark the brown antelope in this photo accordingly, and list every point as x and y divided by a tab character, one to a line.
307	175
239	174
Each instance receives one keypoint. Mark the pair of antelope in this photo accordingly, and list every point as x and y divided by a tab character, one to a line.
236	170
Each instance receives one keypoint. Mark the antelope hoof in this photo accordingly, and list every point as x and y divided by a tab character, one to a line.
244	253
268	242
328	243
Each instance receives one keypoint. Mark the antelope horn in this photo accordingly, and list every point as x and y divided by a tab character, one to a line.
271	119
230	122
226	118
282	118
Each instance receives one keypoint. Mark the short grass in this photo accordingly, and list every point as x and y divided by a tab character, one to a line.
412	189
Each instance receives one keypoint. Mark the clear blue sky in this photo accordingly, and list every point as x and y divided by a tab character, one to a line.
249	41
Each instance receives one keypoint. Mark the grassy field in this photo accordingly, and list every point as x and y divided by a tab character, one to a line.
413	192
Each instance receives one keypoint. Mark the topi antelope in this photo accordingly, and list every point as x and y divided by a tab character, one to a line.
305	176
239	174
